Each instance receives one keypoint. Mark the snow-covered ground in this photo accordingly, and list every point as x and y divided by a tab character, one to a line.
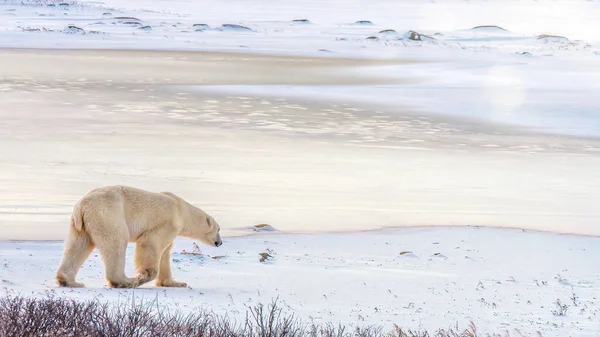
304	26
468	113
419	278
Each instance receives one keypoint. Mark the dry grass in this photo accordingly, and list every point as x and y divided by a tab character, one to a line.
264	256
54	317
196	251
415	36
546	36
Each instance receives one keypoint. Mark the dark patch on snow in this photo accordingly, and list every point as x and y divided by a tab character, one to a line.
552	38
439	255
145	28
200	27
73	30
304	21
265	257
264	228
107	14
234	27
127	19
415	36
372	38
489	28
388	31
364	23
408	254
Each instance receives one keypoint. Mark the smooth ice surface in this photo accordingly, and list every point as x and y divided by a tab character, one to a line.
301	164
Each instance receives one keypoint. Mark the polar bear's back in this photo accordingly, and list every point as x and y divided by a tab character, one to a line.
126	210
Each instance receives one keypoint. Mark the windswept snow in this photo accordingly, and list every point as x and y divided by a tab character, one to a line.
502	280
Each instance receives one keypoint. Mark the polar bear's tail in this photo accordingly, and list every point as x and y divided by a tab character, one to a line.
77	218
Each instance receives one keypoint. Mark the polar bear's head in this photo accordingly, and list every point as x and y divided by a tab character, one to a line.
212	234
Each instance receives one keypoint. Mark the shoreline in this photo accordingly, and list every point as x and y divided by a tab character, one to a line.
187	67
276	54
248	233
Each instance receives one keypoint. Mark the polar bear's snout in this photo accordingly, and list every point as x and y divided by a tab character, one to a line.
215	231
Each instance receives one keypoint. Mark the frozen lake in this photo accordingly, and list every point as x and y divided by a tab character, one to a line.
304	165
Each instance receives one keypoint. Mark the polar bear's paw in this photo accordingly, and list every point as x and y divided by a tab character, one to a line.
171	283
63	281
124	283
120	284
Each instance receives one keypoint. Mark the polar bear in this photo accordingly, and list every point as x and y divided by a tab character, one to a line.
109	217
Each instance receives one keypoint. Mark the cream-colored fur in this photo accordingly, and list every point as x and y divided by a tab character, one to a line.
109	217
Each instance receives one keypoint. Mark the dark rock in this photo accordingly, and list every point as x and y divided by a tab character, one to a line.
388	31
200	27
414	36
73	30
234	27
489	27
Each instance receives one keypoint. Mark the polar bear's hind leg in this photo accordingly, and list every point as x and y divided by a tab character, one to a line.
78	247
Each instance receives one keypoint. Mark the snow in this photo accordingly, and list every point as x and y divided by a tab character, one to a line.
281	26
338	121
502	280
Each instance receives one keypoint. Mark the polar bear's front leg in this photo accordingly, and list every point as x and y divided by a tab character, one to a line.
165	278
